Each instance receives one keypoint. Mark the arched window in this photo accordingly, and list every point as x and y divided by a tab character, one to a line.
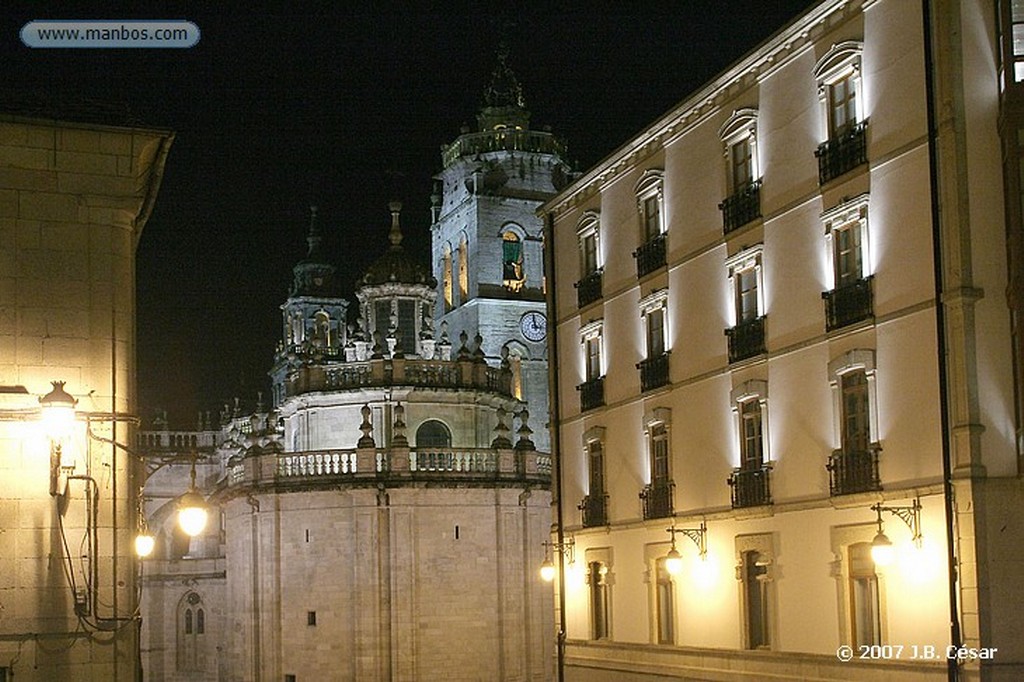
446	279
512	261
463	271
433	434
191	648
322	329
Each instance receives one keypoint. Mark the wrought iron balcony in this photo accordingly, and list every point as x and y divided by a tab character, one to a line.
750	487
855	471
746	339
848	304
842	153
588	289
657	499
595	510
653	372
591	394
650	256
742	207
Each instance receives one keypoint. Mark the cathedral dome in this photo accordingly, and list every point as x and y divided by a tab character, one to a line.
397	266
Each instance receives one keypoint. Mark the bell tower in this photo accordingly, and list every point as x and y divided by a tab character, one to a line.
487	241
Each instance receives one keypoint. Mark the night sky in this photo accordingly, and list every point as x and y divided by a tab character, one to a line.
345	109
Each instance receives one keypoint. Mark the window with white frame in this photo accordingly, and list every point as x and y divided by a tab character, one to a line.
664	603
860	585
591	336
745	279
599	582
650	198
846	235
739	139
594	505
653	309
755	561
838	75
657	426
854	401
589	235
750	404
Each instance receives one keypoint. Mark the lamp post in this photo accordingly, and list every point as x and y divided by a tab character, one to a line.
882	551
699	536
548	571
58	415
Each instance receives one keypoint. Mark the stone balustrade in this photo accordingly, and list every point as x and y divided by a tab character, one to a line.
391	372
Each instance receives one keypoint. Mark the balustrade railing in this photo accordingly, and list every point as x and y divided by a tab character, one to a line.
588	289
751	487
454	461
502	140
657	499
849	304
742	207
842	153
329	463
650	256
402	372
746	339
855	471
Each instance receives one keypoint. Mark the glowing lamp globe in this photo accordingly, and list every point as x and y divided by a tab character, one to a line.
547	571
58	411
192	514
144	543
882	552
674	562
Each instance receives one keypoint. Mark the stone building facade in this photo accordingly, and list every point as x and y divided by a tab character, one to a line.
381	522
75	194
781	339
487	239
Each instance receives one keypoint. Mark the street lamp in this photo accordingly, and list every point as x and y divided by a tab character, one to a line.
192	508
699	536
58	416
548	571
882	551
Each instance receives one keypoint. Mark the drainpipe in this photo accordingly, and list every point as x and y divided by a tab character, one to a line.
955	636
556	436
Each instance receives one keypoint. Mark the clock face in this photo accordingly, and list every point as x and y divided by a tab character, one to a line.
534	326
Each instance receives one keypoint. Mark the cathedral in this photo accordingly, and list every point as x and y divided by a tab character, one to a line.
383	518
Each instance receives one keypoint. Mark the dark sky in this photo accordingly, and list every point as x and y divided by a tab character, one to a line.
346	109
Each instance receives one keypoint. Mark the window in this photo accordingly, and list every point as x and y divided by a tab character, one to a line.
654	369
657	496
747	335
513	277
592	388
664	601
433	434
838	74
515	365
191	631
743	185
594	504
854	463
650	199
311	618
463	271
598	586
588	288
846	235
446	279
756	555
866	625
1012	47
595	460
751	436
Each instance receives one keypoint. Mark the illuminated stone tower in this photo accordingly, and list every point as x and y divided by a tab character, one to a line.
487	239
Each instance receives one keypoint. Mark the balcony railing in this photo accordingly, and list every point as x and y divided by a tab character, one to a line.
855	471
650	256
653	372
359	466
742	207
473	144
746	339
387	372
750	487
657	499
591	394
848	304
842	153
595	510
588	289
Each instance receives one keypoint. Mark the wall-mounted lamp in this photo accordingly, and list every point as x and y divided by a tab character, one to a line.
548	571
882	552
699	536
144	543
192	508
58	416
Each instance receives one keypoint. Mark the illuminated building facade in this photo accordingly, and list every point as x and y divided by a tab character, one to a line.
381	522
75	194
780	342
